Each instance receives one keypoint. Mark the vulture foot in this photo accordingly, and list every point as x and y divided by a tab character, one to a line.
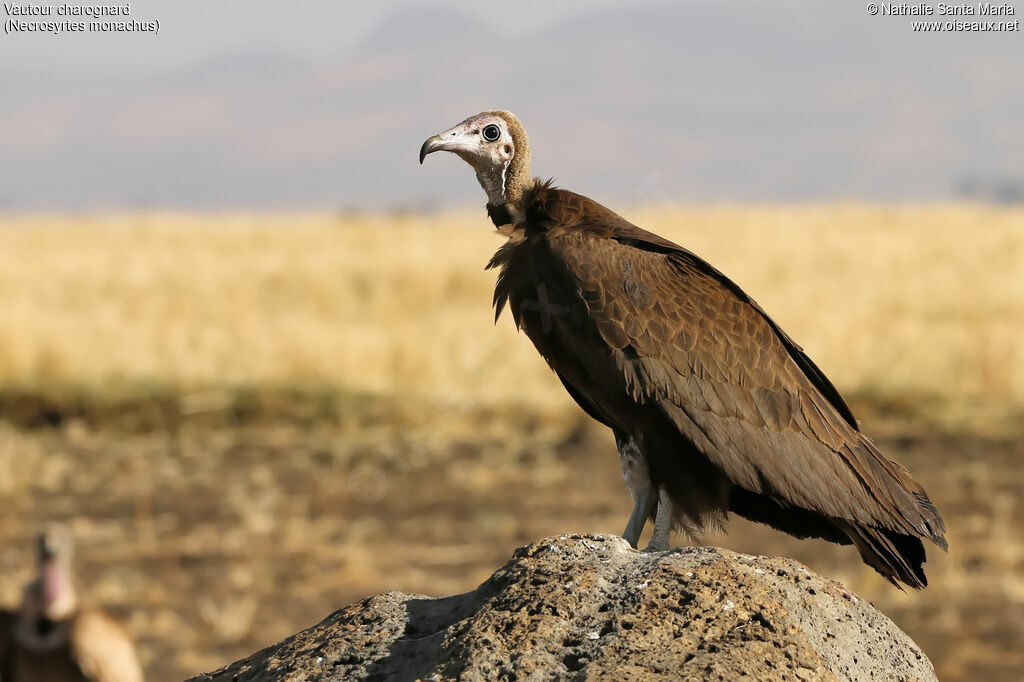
662	524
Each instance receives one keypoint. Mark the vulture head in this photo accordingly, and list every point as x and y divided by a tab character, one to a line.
51	596
495	145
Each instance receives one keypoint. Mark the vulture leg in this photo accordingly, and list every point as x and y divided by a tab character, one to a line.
643	505
662	524
638	483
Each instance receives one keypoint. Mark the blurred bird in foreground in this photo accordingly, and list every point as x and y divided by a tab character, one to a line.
51	639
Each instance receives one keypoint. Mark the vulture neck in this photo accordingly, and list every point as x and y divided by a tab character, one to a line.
507	185
47	611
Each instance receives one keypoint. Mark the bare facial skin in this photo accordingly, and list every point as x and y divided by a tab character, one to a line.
492	142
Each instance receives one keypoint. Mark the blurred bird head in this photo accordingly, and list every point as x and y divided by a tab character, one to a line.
495	145
51	595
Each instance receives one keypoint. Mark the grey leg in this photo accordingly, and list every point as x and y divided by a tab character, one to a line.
642	506
662	524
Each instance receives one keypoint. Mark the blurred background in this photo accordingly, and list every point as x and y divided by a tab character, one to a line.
247	350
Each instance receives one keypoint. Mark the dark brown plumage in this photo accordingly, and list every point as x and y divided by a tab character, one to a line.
726	412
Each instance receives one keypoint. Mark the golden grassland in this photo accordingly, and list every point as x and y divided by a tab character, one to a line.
438	441
910	301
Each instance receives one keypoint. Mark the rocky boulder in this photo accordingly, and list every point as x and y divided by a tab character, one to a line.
590	607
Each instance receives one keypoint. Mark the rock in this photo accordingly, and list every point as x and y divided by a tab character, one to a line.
590	607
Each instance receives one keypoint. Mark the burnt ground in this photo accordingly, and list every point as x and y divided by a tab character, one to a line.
212	540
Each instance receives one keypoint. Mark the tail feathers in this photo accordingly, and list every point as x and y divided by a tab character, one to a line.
896	556
899	555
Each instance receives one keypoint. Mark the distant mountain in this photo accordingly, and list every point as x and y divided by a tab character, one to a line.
696	102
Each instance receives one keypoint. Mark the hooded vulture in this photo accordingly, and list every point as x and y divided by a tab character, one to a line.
713	407
50	638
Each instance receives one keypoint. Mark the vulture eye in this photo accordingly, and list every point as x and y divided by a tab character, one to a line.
491	132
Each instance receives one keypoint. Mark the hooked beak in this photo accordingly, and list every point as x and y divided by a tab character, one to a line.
431	145
457	139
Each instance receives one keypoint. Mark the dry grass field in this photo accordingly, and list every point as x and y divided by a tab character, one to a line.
251	421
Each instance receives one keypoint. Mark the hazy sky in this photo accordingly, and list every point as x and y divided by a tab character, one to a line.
323	104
